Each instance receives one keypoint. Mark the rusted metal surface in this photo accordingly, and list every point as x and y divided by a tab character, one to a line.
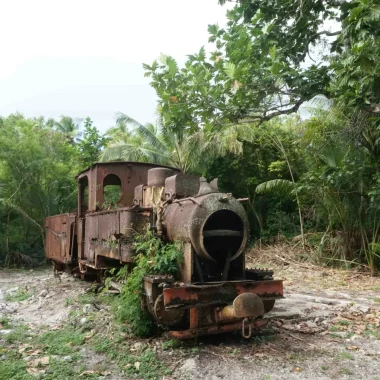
215	329
186	297
248	305
215	293
109	233
60	238
131	174
153	286
181	186
157	176
203	222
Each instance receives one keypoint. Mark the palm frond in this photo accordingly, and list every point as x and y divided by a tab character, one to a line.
121	151
22	212
127	120
281	187
151	138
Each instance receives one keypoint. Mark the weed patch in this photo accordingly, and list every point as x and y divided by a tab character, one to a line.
62	370
18	334
12	366
344	355
4	322
19	295
143	363
61	342
153	257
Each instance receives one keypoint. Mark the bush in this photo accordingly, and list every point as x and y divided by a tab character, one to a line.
153	257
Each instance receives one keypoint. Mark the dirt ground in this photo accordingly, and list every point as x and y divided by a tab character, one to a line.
327	327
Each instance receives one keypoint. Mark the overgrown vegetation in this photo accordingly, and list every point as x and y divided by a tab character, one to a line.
284	110
153	257
142	363
38	162
19	295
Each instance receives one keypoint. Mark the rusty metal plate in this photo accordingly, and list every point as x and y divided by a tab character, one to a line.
182	185
215	329
110	233
59	242
130	174
186	297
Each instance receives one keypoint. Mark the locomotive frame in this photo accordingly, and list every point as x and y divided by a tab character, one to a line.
215	292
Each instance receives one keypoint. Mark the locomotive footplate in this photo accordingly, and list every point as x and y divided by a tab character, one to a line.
219	293
223	306
216	329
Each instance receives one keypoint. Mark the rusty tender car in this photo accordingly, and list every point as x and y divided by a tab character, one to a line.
215	292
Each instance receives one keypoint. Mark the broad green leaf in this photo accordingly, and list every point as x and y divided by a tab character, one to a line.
280	187
229	69
273	52
276	67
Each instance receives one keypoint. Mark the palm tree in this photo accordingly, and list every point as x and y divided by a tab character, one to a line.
68	126
140	143
188	152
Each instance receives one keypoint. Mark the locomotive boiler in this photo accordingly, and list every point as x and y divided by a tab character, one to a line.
215	292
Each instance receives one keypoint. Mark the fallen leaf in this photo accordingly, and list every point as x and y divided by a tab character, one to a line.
89	336
35	371
23	348
39	362
352	348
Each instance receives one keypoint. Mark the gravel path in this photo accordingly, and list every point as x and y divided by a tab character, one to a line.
327	327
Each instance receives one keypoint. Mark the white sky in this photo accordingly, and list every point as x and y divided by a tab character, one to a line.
83	57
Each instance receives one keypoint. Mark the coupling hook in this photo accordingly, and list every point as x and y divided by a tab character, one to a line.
246	331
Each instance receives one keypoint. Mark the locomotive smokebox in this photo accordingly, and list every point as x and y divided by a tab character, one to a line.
214	223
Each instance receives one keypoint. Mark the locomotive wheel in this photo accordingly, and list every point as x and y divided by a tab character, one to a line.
268	305
166	317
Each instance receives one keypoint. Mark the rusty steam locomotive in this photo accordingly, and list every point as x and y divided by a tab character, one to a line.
215	293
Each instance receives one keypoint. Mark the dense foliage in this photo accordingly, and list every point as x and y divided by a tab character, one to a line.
153	257
38	164
231	113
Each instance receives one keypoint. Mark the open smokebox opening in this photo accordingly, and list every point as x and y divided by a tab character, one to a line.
223	234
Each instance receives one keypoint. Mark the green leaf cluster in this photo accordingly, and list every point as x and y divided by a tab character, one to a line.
38	162
153	257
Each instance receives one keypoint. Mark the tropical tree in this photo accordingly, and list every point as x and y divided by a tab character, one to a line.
154	143
68	126
90	145
37	169
37	179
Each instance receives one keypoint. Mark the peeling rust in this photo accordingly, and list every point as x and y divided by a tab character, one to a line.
215	292
185	297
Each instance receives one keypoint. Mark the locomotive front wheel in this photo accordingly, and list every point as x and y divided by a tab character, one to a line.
166	317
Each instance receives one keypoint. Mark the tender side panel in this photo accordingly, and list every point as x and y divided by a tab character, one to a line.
60	234
109	234
102	230
131	222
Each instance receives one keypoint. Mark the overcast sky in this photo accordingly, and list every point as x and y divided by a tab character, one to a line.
83	57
